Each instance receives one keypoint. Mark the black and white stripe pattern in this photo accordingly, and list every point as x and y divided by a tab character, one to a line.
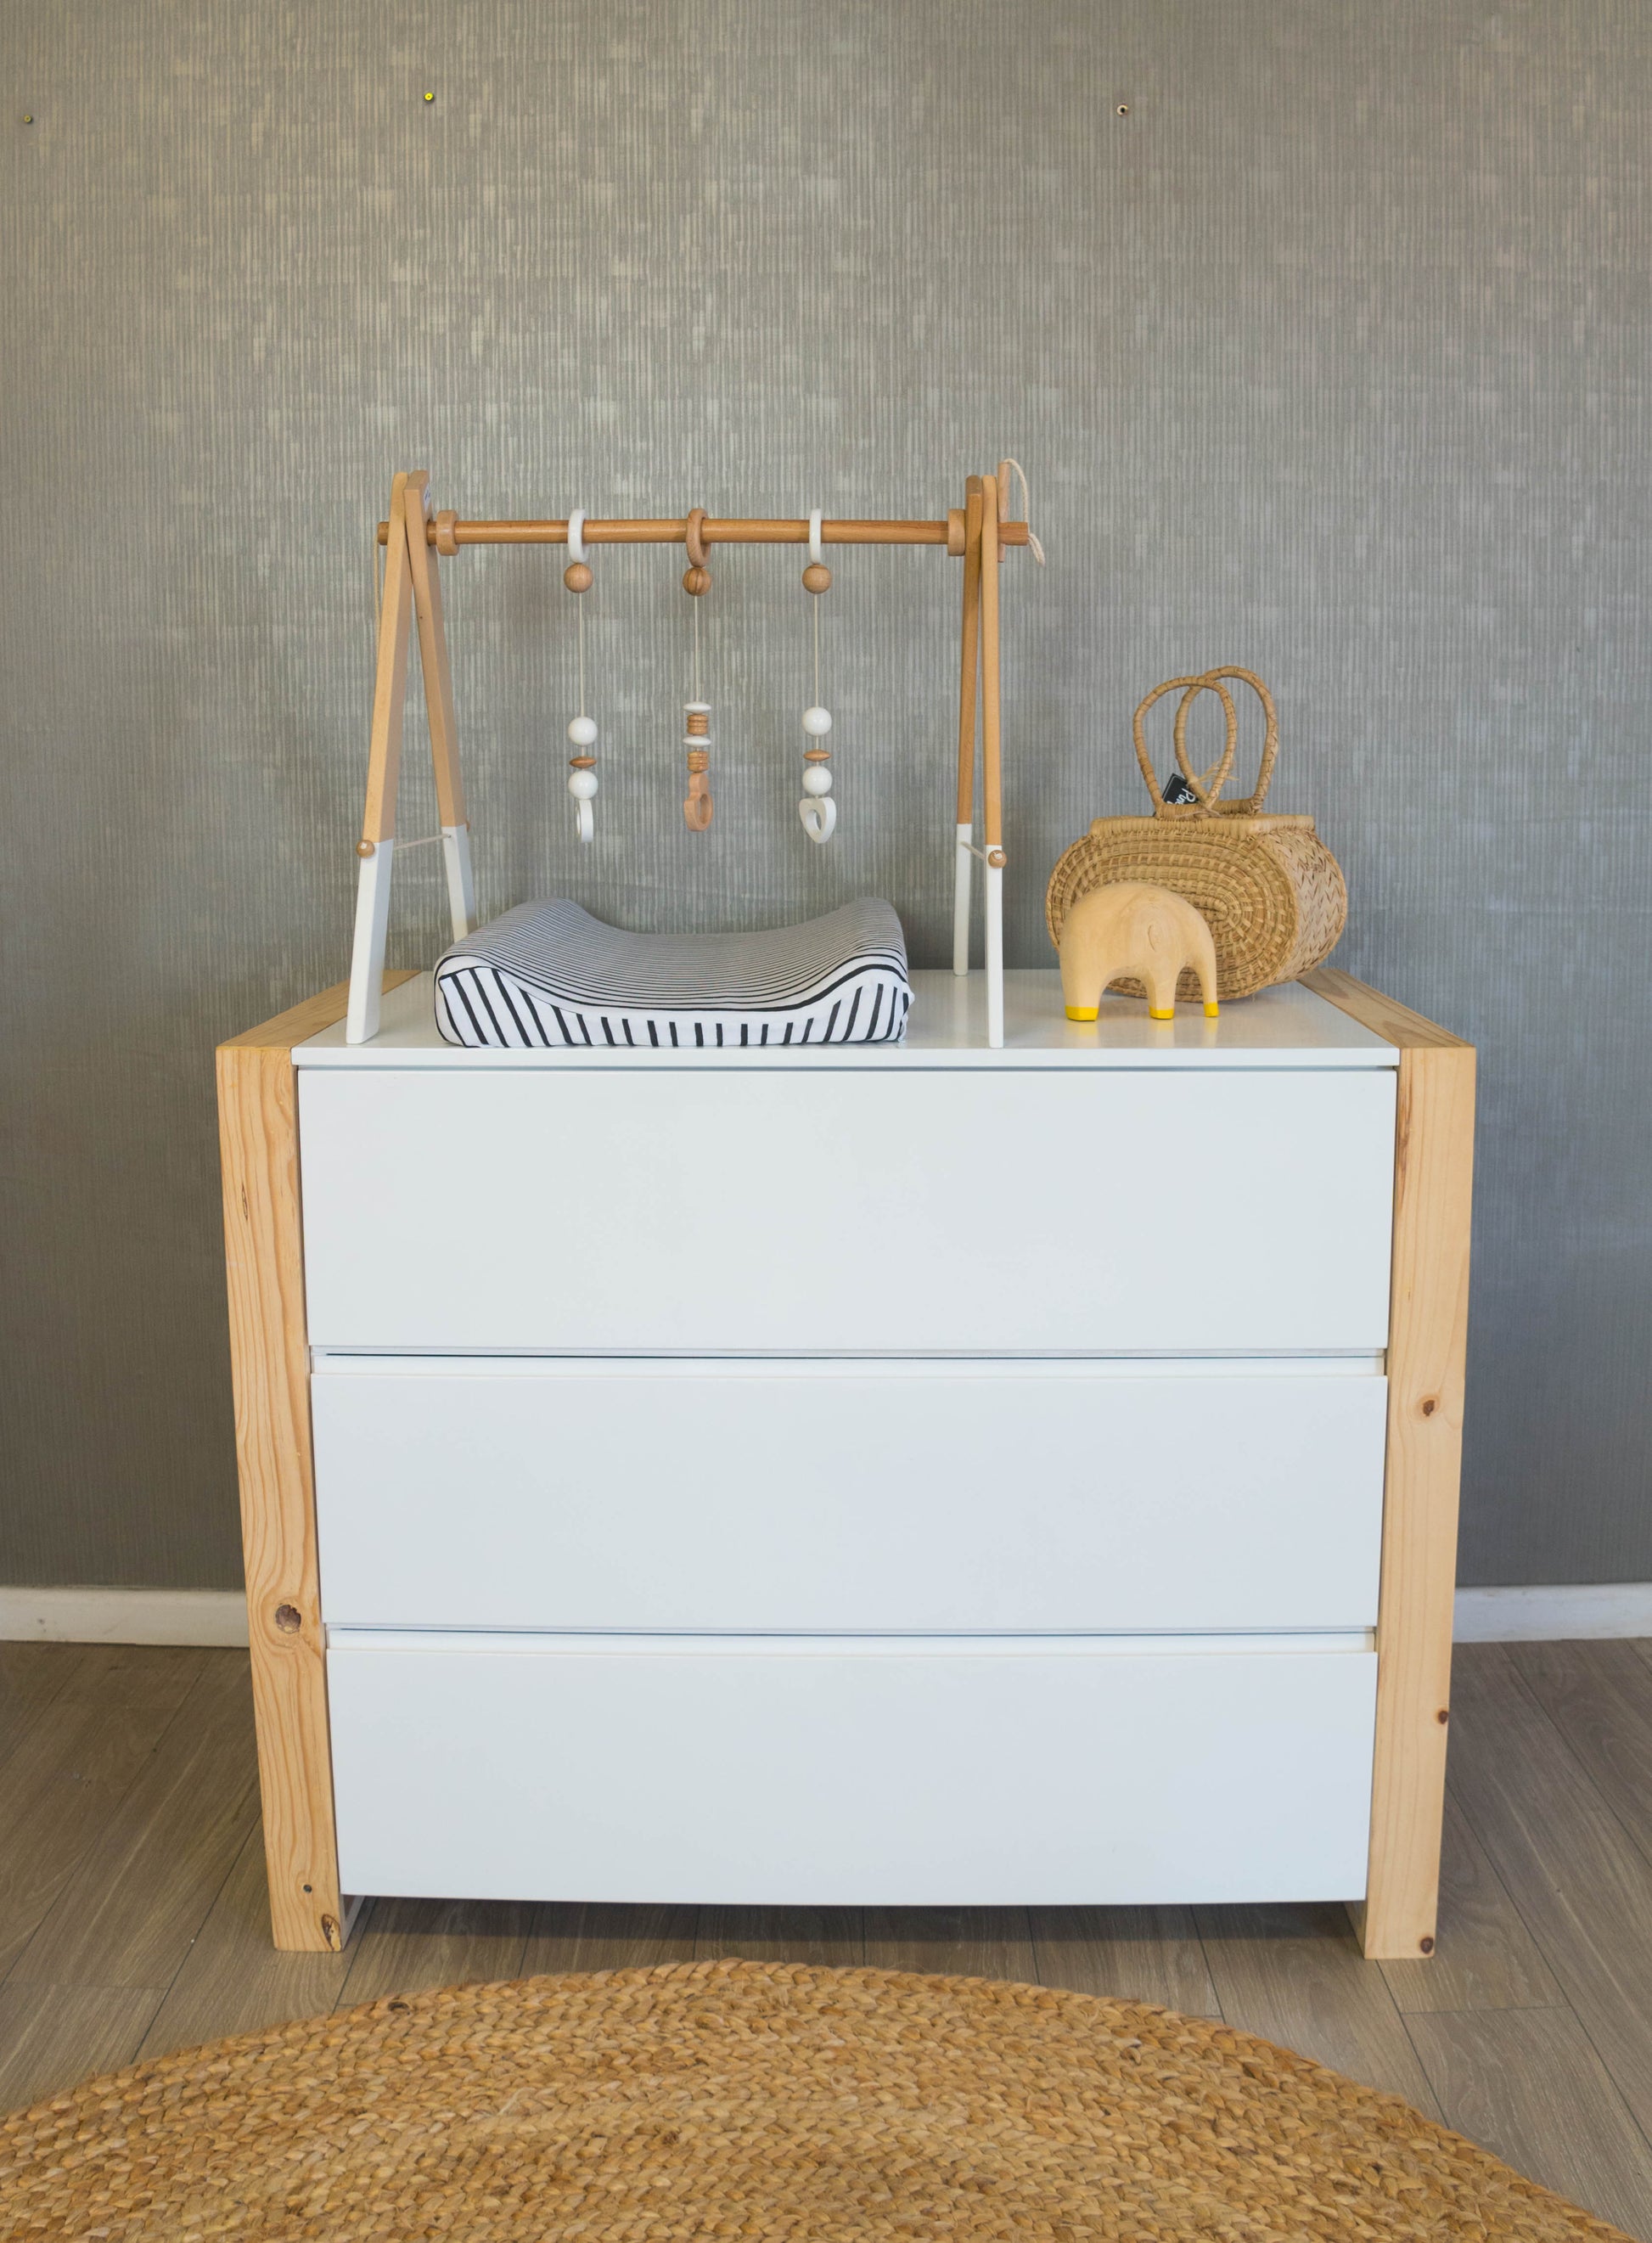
549	974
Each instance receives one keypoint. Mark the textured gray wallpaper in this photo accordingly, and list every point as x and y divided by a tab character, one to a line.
1330	358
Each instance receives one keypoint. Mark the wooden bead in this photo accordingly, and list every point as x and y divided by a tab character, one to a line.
577	576
696	581
366	848
817	578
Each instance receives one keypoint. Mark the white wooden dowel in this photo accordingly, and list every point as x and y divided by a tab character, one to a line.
461	886
367	954
995	957
960	902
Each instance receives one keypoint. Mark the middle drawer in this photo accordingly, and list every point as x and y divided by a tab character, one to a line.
952	1497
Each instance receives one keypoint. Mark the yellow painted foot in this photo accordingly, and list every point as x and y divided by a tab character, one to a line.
1210	1011
1152	1015
1082	1012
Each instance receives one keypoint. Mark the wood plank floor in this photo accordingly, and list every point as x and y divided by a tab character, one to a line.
133	1916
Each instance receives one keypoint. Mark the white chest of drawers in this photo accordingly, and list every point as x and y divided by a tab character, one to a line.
928	1474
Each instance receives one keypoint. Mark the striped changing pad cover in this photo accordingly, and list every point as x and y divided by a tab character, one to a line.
548	974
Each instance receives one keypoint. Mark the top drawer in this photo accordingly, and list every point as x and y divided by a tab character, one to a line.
653	1212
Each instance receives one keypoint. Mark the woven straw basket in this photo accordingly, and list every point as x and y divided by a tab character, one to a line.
1271	890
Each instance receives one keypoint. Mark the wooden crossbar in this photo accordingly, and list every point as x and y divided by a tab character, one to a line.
443	532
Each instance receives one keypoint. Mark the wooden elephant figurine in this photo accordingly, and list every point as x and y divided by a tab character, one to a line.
1129	931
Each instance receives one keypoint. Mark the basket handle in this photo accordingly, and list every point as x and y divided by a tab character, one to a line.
1269	745
1210	786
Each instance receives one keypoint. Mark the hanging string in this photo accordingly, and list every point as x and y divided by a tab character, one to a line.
378	621
696	650
581	611
815	604
1033	545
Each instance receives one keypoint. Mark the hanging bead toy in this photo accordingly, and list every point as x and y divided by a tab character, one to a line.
697	714
817	810
582	766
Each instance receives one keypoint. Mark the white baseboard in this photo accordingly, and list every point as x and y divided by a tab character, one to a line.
219	1616
213	1616
1552	1615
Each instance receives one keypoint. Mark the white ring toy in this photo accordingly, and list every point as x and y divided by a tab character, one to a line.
819	814
815	549
576	533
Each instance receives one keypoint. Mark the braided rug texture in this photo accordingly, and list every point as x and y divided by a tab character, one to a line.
751	2101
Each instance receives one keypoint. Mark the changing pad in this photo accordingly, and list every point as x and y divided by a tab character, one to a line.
548	974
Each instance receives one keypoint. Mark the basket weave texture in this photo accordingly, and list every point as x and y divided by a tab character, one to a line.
754	2101
1271	891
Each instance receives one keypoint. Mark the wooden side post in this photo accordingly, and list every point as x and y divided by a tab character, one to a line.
1427	1340
390	674
269	1355
376	848
991	784
424	571
969	673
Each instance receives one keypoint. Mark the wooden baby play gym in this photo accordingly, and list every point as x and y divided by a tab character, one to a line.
1053	1524
977	532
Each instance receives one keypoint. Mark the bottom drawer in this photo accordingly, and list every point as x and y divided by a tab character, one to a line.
821	1770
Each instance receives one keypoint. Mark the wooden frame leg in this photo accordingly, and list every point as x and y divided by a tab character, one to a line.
377	845
968	683
269	1353
1427	1340
991	782
424	570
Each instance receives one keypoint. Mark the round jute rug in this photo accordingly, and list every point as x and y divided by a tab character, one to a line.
750	2100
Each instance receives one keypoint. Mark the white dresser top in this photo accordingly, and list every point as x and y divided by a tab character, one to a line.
1283	1027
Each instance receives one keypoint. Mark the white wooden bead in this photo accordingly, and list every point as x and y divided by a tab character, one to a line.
582	786
817	722
817	779
583	731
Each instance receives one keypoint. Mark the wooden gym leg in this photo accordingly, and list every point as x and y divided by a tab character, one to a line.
424	570
991	786
376	848
970	671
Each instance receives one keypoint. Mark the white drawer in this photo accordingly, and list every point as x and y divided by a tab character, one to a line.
667	1212
861	1497
820	1773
